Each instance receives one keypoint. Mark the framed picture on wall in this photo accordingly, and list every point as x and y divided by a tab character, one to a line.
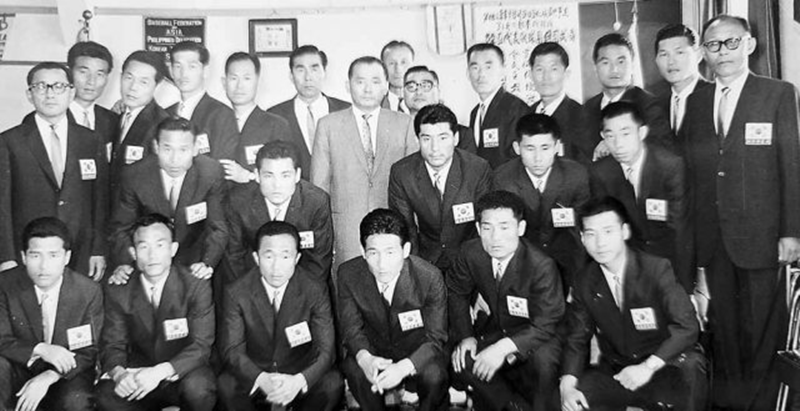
273	37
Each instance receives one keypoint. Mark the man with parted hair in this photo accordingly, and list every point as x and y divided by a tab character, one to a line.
91	64
397	56
420	89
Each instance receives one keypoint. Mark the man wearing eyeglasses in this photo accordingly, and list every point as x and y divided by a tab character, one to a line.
420	88
50	166
743	155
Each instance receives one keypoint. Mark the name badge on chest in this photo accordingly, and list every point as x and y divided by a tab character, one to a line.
306	240
250	153
491	138
298	334
197	212
410	320
758	134
203	146
517	306
656	209
133	154
644	319
88	169
563	217
463	213
79	337
176	329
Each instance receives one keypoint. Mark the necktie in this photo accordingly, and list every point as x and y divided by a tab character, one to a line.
676	106
629	177
400	104
278	216
540	108
276	302
538	183
86	122
56	157
617	291
311	127
384	288
437	182
48	318
482	114
721	113
498	271
366	141
173	195
153	300
181	110
126	120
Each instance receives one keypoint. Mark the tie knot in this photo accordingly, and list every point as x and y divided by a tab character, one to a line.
366	117
725	91
53	127
45	296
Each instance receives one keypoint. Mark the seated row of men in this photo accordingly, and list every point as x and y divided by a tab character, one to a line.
495	325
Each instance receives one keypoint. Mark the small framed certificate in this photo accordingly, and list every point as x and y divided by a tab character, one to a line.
273	37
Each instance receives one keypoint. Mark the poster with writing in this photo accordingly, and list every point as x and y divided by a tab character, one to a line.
5	28
160	34
518	29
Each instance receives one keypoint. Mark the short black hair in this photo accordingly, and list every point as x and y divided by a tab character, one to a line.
277	149
152	59
48	65
396	44
611	39
383	221
151	219
308	49
421	69
727	18
44	227
599	205
435	114
275	228
89	49
675	30
242	56
189	45
549	47
175	123
533	124
500	199
367	60
478	47
620	108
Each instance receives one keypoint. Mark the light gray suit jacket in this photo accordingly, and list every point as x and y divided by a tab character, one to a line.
339	166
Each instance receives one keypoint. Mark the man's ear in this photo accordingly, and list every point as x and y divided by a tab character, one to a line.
643	132
255	257
521	228
406	249
626	231
515	145
174	247
456	138
132	252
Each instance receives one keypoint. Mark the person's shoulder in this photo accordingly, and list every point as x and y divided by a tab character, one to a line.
13	280
639	95
283	108
351	268
532	253
509	170
184	275
311	193
395	116
603	165
593	102
100	111
424	271
17	132
407	164
571	168
472	162
571	104
335	104
269	119
81	281
664	156
140	168
336	116
207	166
240	193
241	287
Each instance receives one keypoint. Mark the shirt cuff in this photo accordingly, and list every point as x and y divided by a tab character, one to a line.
408	367
305	383
654	363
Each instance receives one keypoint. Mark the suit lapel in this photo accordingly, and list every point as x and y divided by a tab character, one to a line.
525	186
382	141
736	127
258	205
349	122
427	190
551	191
158	192
453	184
403	291
295	207
36	146
201	110
140	306
648	178
188	188
72	164
261	302
172	295
30	305
630	279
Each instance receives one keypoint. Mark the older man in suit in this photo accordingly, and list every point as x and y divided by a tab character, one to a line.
159	328
277	334
392	318
307	65
397	56
91	64
642	318
50	166
743	153
280	195
50	323
435	189
354	150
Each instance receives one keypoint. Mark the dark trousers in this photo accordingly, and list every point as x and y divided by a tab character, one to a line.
430	383
325	395
74	394
681	384
748	322
524	385
195	391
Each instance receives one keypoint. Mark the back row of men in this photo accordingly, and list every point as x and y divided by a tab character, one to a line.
712	188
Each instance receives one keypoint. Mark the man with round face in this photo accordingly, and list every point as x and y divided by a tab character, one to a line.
354	150
162	305
91	64
421	88
406	341
397	56
280	195
42	365
435	188
648	356
509	355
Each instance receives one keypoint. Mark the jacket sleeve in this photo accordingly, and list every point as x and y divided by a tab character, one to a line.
122	219
435	314
352	324
319	259
233	340
548	298
114	338
460	287
200	316
580	329
398	201
217	238
682	323
100	193
323	336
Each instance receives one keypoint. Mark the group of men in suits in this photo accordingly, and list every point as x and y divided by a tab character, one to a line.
671	200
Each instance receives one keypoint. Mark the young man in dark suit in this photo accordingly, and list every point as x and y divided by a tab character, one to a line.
743	154
175	182
509	354
91	64
651	182
256	126
644	323
277	333
159	328
552	187
492	121
215	122
50	323
307	66
613	63
435	188
392	318
50	166
280	195
549	64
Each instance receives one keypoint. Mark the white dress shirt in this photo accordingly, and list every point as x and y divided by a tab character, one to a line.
636	174
169	181
735	91
540	180
271	293
62	128
52	296
319	109
78	112
152	290
486	104
273	209
189	105
373	125
388	293
683	95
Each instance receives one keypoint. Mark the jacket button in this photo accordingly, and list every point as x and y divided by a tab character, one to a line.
721	174
61	202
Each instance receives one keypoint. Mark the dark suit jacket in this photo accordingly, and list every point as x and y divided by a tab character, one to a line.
567	186
569	116
261	127
253	338
286	110
663	178
502	114
80	302
749	193
28	190
309	210
648	282
435	236
665	100
657	120
530	274
106	123
217	121
367	322
134	334
143	193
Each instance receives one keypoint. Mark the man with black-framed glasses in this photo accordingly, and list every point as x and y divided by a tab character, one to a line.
420	88
743	155
51	167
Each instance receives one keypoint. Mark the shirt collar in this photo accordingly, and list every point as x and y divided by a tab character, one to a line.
78	110
606	100
609	275
271	290
53	293
503	263
444	172
543	178
44	126
190	104
389	293
360	113
684	94
317	105
146	283
489	99
735	86
549	109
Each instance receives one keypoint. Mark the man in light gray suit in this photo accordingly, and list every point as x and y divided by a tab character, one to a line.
354	150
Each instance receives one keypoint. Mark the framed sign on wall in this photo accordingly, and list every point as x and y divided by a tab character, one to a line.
273	37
